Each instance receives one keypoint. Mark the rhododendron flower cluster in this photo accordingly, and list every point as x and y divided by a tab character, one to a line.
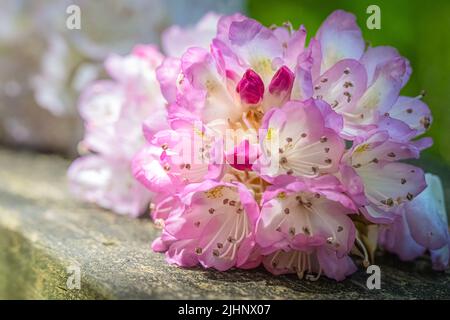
280	152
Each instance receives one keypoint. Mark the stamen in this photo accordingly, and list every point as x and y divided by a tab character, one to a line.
312	278
335	104
366	262
348	95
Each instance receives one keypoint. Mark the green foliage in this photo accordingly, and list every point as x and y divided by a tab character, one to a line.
420	30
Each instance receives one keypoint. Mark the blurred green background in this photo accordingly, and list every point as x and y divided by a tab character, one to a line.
420	30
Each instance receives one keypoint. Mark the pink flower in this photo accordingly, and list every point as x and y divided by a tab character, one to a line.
238	38
108	183
305	215
298	142
176	158
176	40
114	112
215	229
387	183
361	85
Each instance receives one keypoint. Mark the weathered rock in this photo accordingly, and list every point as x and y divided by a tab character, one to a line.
43	231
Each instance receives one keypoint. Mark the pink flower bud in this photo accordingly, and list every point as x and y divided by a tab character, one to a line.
282	81
251	87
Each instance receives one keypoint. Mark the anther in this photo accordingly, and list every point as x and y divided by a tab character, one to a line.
292	231
391	154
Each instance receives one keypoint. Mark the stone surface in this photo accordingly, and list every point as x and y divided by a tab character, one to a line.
43	231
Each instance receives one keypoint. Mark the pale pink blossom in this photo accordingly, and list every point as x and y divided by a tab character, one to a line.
114	112
215	229
319	133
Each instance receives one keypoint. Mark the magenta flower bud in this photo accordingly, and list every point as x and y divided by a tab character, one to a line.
251	87
243	156
282	81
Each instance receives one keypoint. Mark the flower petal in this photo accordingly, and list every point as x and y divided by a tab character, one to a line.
298	143
340	38
412	111
375	57
389	184
426	216
396	238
